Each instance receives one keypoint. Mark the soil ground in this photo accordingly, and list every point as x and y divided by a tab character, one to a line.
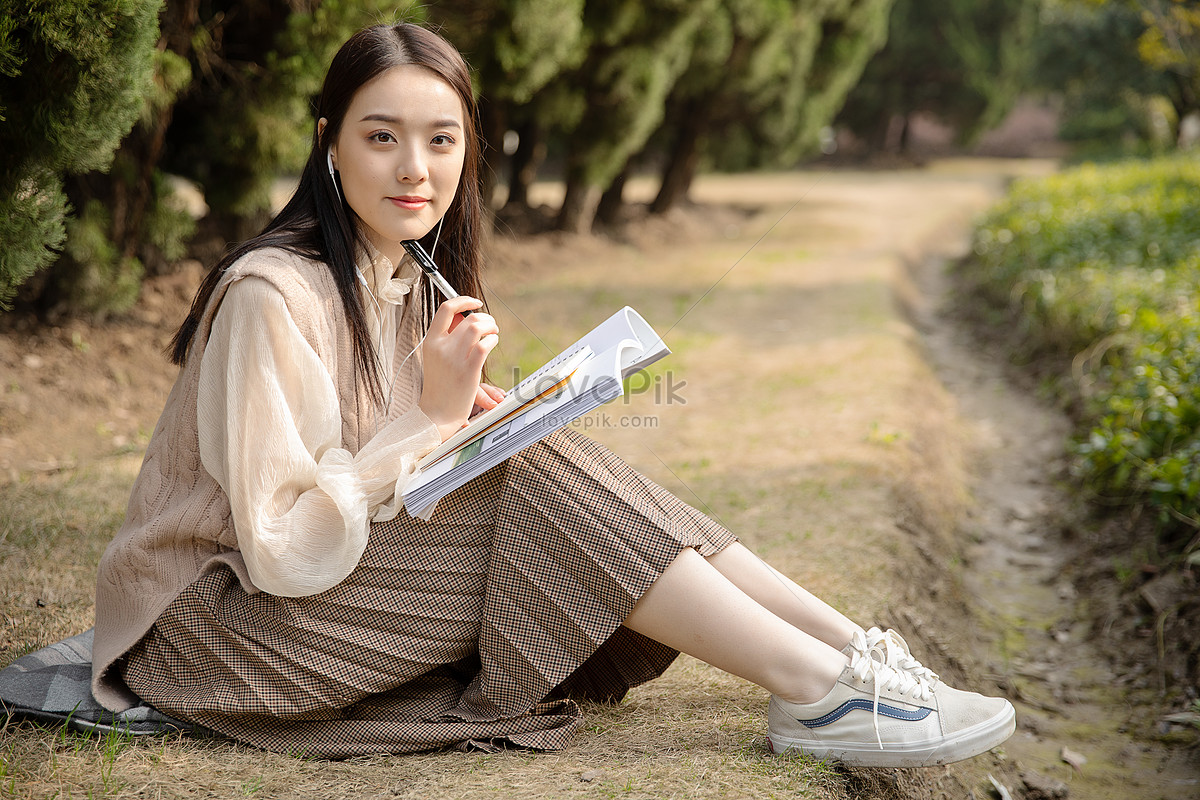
819	402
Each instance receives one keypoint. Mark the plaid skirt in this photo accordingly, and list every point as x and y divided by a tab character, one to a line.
478	628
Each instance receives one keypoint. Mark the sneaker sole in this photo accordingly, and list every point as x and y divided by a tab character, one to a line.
967	743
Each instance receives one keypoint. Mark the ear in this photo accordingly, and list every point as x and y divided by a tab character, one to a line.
321	123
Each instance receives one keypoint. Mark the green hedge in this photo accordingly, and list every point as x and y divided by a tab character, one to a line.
1098	268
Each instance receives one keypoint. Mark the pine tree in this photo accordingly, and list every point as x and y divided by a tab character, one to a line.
247	117
229	110
637	51
515	48
964	61
765	78
73	76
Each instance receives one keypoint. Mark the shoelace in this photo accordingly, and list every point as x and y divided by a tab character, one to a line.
870	663
898	655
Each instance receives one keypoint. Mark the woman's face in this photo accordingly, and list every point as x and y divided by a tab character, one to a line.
400	154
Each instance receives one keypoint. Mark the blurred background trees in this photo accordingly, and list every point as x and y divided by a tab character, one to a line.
1124	70
111	106
763	84
962	61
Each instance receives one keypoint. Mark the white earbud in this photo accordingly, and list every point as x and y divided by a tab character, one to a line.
332	176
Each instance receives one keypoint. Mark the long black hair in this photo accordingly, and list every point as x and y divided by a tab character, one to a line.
317	224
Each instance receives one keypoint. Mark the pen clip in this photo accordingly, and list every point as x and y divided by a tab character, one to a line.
414	249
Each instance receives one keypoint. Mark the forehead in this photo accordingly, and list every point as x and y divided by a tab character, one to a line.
409	93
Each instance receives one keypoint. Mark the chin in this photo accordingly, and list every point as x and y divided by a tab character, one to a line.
414	231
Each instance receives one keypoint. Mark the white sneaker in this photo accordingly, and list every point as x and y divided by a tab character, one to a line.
924	721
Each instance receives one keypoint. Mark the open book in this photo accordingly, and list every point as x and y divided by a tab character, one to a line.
583	377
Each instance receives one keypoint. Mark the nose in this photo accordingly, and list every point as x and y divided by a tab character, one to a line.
412	166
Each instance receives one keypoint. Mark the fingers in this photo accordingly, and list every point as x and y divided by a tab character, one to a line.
478	333
449	313
471	337
483	400
453	352
495	392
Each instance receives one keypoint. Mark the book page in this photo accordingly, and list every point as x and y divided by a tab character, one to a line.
542	385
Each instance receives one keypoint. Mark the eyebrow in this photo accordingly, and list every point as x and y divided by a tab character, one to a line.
440	123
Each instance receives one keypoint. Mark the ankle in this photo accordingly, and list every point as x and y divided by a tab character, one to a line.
815	683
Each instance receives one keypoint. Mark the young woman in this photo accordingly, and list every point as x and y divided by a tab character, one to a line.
267	584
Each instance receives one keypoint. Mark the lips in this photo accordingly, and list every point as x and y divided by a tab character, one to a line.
409	201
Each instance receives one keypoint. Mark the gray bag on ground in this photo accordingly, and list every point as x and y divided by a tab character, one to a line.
53	686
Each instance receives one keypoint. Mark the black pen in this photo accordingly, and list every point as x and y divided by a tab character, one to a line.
414	249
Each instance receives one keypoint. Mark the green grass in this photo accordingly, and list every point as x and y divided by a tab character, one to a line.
807	483
1096	272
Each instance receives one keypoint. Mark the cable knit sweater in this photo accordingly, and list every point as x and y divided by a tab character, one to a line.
268	459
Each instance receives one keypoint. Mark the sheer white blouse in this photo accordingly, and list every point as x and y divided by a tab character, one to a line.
270	426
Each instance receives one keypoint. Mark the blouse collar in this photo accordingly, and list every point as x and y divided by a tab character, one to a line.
387	282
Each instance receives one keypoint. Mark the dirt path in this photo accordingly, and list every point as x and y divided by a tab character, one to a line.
1081	724
816	403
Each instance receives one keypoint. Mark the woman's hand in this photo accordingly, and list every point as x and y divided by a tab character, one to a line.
487	398
452	355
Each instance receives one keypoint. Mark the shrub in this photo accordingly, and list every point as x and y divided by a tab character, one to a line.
72	79
1101	266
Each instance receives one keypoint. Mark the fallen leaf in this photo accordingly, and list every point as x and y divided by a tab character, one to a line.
1183	718
1076	760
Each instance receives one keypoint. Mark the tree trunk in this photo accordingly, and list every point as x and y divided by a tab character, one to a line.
525	163
493	124
608	211
877	137
683	159
579	206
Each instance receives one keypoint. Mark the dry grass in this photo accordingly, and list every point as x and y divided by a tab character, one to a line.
809	424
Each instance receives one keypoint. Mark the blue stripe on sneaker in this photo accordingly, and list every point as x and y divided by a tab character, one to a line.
865	705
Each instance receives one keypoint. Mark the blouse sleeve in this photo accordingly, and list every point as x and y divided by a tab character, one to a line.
270	434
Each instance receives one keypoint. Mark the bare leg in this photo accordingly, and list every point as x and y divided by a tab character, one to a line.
693	608
783	596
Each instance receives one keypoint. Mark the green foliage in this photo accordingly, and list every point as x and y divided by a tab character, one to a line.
72	78
789	75
1171	44
1086	53
638	50
750	82
515	47
764	81
964	61
229	108
104	278
1101	265
247	118
106	254
33	209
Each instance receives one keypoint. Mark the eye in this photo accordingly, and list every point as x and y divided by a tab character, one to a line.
442	140
383	137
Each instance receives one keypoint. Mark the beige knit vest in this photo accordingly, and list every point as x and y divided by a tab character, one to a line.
178	525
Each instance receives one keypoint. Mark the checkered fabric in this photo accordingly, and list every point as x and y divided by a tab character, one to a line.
478	628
